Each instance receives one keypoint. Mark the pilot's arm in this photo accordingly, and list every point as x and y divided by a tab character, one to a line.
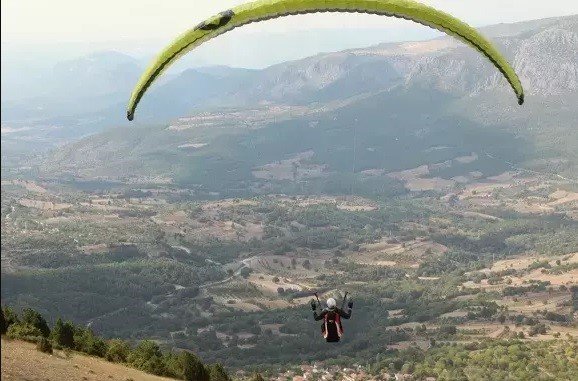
317	316
344	314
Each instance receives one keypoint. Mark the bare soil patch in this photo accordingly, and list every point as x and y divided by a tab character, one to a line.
294	168
388	252
43	205
563	197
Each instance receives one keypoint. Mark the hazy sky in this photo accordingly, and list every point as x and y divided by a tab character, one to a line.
42	21
42	32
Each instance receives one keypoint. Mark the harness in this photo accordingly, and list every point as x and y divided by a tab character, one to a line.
334	319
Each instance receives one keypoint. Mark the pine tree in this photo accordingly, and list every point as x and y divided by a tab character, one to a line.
33	318
217	373
10	316
56	333
63	334
193	368
68	335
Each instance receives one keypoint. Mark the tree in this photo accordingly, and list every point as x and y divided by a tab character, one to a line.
245	272
234	341
63	334
173	365
147	357
306	264
33	318
118	351
448	330
86	341
217	373
10	316
3	325
257	377
57	331
538	329
420	329
193	368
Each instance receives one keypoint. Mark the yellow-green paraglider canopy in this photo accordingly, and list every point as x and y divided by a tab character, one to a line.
268	9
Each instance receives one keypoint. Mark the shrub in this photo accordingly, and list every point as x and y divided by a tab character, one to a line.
448	330
245	272
188	292
44	345
290	329
257	377
538	329
24	332
118	351
539	264
553	316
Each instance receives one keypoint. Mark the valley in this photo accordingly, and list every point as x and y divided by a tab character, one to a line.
493	258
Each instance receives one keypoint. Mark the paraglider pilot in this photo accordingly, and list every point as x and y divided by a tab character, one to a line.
332	329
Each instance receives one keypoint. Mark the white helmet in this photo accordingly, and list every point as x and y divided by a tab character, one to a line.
331	303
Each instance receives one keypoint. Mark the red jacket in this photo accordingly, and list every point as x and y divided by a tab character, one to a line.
332	329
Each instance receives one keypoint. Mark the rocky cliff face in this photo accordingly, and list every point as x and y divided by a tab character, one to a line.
544	53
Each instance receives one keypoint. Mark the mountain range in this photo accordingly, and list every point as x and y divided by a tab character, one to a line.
426	84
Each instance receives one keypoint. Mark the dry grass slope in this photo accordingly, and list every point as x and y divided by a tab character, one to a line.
21	361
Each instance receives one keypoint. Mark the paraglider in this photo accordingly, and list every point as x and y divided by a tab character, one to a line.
332	327
269	9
